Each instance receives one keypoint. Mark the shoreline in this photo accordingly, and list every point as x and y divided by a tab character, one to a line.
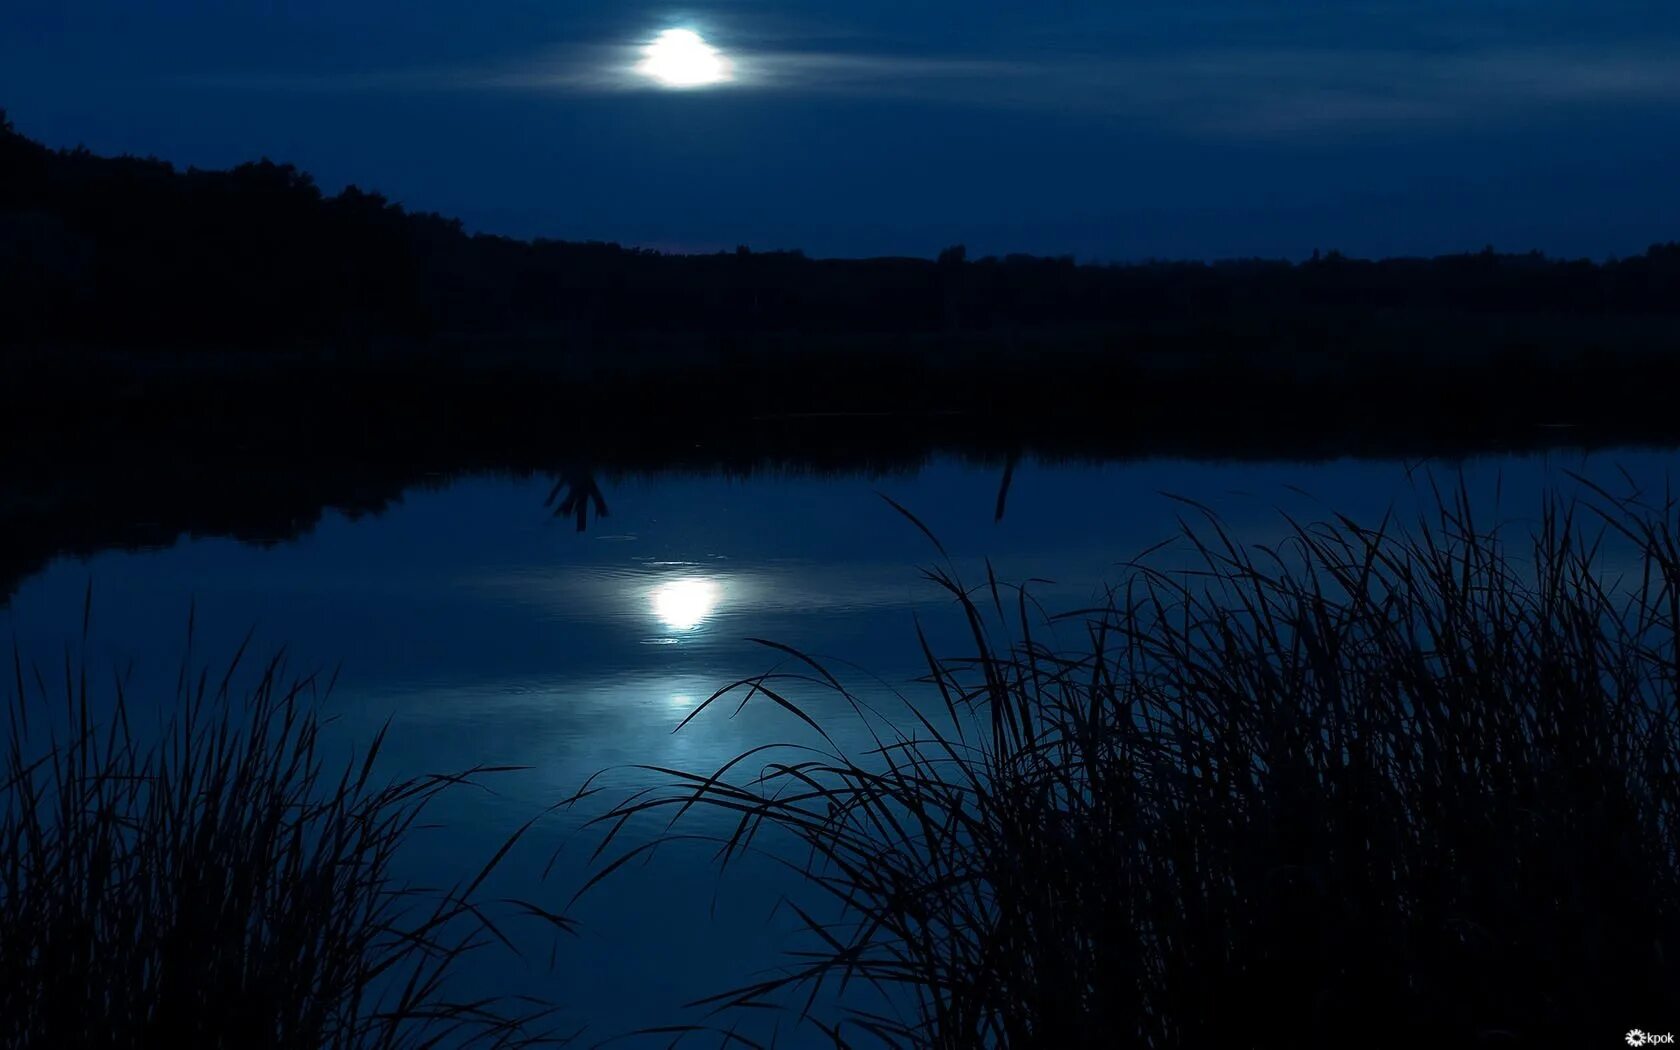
118	449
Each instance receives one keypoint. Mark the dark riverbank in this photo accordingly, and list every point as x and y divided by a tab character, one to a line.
106	449
232	352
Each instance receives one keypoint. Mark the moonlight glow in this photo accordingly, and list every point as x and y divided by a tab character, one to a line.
680	58
683	604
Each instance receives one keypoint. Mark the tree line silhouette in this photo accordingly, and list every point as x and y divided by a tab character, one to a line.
131	251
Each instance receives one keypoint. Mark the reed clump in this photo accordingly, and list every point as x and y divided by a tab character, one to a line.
208	879
1372	786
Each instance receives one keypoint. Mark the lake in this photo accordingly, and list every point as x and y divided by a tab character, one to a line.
489	631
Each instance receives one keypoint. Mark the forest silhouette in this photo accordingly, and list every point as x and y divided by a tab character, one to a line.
232	352
134	252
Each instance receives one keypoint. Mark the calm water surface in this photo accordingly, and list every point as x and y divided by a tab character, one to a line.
488	632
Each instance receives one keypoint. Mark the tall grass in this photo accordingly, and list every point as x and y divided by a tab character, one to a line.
1371	786
210	882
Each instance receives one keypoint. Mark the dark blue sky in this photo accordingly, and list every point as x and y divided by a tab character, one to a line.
1110	130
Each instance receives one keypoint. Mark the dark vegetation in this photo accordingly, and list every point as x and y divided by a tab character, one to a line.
1372	787
131	252
1393	788
213	883
232	351
1260	797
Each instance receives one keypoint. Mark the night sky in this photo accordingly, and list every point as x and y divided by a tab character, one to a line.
1112	130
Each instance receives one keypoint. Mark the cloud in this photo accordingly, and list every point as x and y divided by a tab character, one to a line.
1291	91
1255	92
1270	92
611	69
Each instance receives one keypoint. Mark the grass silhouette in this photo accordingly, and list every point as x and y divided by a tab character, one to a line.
1376	785
215	884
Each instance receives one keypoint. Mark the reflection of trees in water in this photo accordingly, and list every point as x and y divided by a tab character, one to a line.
580	490
575	491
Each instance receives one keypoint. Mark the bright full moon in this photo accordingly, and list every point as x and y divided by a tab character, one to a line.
683	604
679	58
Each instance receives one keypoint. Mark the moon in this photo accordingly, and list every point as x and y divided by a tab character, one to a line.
684	604
681	58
